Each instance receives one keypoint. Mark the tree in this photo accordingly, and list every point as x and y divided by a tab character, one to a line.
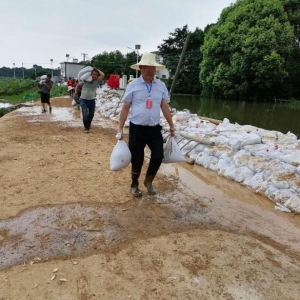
170	50
244	53
292	82
115	62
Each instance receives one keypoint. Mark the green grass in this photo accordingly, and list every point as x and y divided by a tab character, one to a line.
15	91
294	104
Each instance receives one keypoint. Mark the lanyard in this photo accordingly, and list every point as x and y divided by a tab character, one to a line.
149	88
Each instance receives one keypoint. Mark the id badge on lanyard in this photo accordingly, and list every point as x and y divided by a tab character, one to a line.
149	102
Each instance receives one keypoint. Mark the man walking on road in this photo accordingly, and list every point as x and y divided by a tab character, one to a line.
46	86
145	96
88	96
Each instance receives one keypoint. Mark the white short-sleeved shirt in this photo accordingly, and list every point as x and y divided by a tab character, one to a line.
137	92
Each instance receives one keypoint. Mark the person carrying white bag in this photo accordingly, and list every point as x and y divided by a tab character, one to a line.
145	96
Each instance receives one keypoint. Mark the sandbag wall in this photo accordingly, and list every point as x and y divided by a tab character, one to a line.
267	162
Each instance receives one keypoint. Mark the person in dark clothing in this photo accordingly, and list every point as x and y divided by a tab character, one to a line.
45	88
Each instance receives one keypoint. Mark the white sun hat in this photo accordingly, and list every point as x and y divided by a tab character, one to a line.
148	59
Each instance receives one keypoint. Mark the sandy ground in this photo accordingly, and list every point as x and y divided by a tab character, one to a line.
70	229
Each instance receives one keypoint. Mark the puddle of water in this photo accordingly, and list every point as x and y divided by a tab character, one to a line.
70	230
209	184
67	116
4	105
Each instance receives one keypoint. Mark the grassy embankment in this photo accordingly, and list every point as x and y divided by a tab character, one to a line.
16	91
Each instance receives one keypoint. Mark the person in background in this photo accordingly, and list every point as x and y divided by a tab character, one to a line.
88	96
45	88
145	96
71	87
77	95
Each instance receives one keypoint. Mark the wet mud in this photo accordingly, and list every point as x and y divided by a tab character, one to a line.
72	230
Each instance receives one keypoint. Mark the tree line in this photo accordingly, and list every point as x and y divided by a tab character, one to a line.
252	52
24	73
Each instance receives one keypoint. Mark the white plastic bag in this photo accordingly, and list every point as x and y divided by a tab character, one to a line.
172	152
120	156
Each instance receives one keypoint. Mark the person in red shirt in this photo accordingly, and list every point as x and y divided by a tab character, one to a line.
71	87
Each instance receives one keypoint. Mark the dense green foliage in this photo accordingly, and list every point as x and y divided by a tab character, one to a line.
188	79
244	53
115	63
292	82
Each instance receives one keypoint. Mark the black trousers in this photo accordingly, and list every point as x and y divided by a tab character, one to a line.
139	137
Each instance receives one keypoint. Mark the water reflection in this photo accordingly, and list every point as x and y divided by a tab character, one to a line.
263	115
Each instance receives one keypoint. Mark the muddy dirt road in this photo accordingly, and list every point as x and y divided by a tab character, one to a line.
70	229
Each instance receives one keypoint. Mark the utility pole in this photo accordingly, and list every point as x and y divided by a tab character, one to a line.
23	71
84	55
51	60
179	63
14	70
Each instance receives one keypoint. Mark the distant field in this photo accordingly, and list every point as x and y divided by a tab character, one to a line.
18	90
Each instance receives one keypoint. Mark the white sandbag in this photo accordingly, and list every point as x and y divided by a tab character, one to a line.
172	151
201	147
256	181
289	137
86	77
281	208
292	159
85	70
220	151
222	166
120	156
298	170
270	191
209	162
220	140
278	183
43	77
193	154
281	195
226	121
240	174
74	103
234	143
250	139
241	158
293	204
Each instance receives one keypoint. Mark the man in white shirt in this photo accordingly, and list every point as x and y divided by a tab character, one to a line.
146	96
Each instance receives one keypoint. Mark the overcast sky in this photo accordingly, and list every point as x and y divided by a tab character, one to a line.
35	31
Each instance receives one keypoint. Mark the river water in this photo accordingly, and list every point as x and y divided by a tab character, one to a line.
264	115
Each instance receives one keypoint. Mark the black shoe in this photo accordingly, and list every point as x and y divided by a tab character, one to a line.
44	110
136	192
150	188
50	109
